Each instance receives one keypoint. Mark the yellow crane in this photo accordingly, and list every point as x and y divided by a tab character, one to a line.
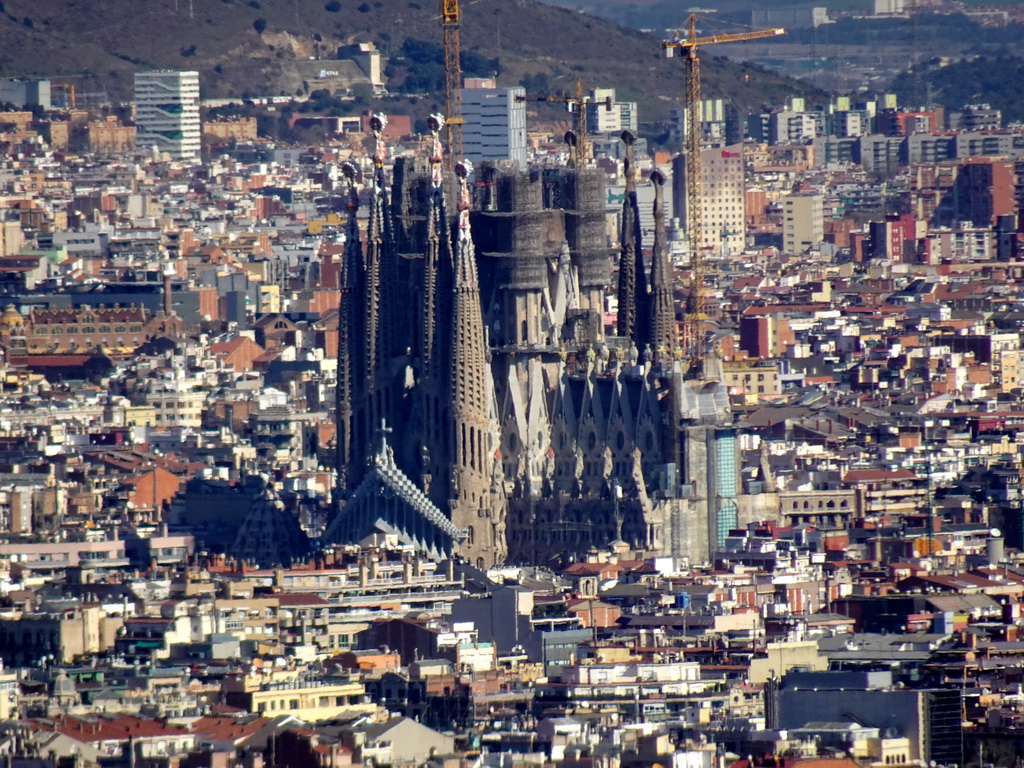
577	104
685	39
451	19
69	93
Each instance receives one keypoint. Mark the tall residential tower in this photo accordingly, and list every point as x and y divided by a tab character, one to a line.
167	112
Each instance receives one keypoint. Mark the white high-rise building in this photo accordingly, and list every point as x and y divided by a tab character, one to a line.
494	122
723	197
167	112
606	115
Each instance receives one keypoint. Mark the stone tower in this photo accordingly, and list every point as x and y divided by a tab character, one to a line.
350	379
413	354
469	402
632	284
367	321
661	332
380	301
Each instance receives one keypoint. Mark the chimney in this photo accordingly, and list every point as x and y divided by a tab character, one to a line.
168	303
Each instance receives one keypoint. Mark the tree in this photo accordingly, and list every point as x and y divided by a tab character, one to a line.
476	64
259	25
362	94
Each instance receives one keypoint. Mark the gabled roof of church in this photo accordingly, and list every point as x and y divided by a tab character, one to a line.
371	509
387	473
270	534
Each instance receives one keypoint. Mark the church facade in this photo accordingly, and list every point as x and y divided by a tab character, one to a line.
472	324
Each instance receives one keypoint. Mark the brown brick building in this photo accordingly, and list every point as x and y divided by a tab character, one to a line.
57	331
109	136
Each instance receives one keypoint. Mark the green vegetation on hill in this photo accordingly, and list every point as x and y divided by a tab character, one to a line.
669	14
997	81
242	47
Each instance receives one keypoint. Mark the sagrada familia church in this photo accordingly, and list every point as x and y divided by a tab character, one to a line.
483	407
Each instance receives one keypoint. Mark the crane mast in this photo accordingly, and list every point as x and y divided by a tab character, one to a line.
695	310
577	140
451	19
686	40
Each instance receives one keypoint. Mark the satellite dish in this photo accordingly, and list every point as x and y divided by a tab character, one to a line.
995	533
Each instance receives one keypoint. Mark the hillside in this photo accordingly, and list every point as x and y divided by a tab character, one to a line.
668	14
242	46
996	81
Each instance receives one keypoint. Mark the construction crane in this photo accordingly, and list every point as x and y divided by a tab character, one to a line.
69	93
685	39
577	104
451	19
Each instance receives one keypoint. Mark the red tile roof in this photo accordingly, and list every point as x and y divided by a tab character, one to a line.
107	728
227	728
877	475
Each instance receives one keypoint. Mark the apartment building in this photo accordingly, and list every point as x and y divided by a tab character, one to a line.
305	698
803	222
495	122
723	197
167	112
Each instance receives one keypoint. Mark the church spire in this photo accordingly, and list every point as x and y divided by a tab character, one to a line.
378	260
467	345
662	333
434	312
437	260
632	290
350	379
467	400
